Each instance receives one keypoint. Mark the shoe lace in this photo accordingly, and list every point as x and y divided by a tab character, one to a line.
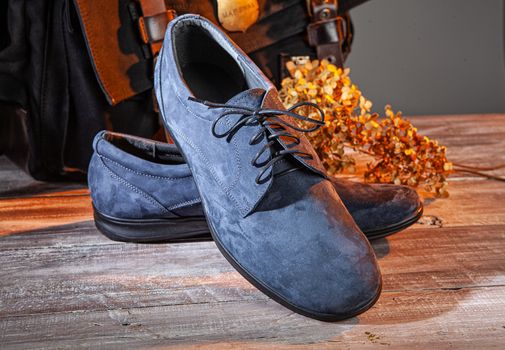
266	118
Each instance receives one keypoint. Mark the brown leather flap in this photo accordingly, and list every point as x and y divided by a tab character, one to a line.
112	38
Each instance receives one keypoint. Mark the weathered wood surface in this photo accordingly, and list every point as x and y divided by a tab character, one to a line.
63	285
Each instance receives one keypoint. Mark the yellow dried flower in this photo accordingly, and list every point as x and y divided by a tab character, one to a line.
400	155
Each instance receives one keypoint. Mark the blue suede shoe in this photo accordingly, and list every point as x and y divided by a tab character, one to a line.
288	234
135	163
137	197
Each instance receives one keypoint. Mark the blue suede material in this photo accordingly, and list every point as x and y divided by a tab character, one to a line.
125	186
291	235
372	206
377	206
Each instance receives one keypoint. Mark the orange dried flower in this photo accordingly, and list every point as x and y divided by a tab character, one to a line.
399	153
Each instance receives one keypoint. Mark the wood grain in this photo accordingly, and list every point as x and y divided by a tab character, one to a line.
64	285
418	319
78	275
23	214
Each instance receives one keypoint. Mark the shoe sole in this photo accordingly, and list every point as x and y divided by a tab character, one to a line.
152	230
193	229
400	226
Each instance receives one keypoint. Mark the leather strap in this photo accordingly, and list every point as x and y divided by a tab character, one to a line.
326	30
153	22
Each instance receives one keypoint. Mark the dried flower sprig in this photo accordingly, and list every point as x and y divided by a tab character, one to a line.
399	153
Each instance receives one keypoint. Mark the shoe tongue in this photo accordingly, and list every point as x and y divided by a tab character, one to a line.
252	98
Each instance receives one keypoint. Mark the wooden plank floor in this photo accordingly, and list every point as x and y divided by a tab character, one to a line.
63	285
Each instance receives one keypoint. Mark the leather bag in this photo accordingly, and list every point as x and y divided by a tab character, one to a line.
69	69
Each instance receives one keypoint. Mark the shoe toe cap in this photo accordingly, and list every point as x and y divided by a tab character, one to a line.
391	206
348	292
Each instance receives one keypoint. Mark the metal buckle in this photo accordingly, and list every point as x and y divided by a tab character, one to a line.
328	32
321	10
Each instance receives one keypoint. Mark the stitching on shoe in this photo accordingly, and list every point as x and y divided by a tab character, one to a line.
174	206
191	144
237	155
144	174
207	163
132	187
237	161
196	202
227	191
185	203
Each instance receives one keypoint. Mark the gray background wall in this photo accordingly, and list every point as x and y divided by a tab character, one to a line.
430	56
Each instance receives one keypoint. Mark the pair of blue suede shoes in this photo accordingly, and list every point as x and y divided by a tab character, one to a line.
244	173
